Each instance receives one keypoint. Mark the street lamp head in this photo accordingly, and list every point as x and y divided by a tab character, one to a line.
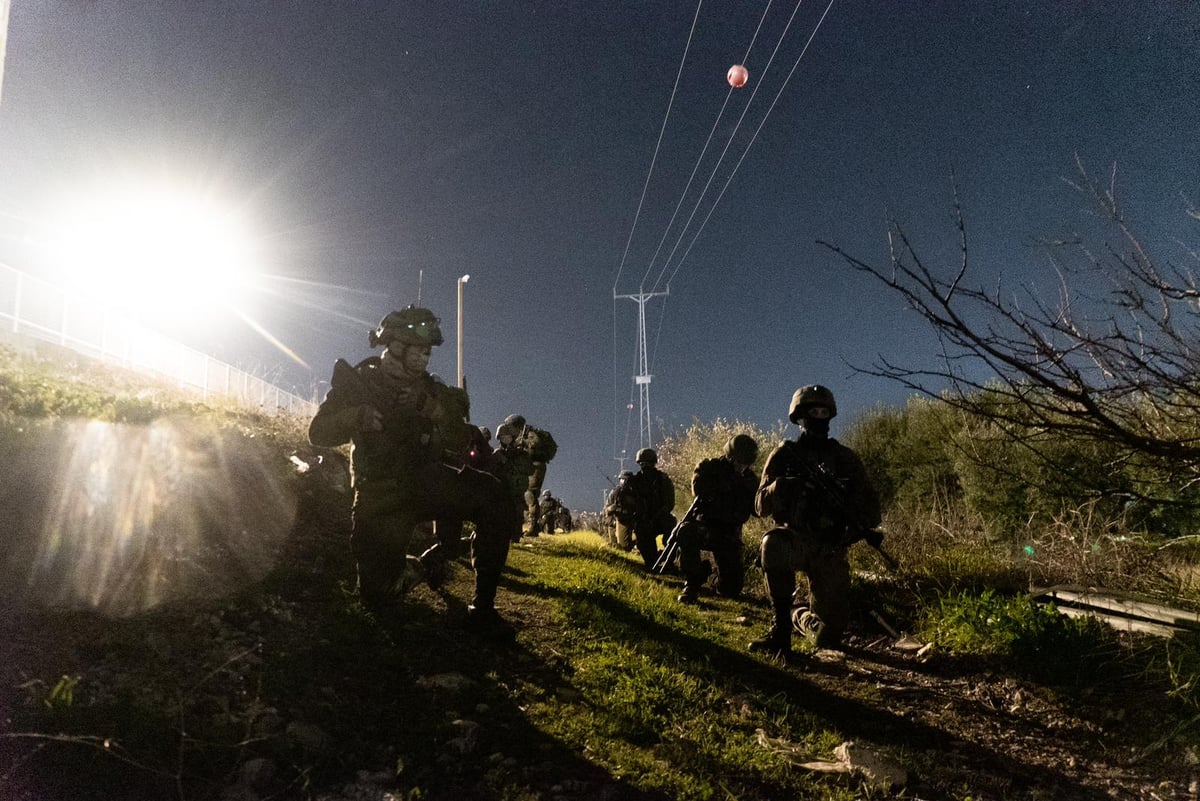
464	279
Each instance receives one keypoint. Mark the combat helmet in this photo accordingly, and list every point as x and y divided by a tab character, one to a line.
811	395
516	421
647	456
505	430
411	325
741	448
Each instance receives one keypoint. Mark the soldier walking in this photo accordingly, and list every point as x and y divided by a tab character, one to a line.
513	465
655	496
541	447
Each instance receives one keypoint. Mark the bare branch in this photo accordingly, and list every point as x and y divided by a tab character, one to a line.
1119	366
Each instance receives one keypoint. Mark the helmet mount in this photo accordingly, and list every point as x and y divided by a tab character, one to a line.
411	325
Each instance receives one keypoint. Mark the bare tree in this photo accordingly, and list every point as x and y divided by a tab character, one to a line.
1118	367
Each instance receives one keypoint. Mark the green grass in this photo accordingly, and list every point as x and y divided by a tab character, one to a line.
43	389
652	686
613	688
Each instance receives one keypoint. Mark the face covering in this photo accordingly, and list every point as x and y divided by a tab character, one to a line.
811	429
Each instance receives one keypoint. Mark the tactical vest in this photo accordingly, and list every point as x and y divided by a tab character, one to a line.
724	498
423	420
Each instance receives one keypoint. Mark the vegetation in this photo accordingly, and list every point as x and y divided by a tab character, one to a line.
1107	367
278	684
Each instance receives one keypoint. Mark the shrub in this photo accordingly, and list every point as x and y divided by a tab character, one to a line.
1033	639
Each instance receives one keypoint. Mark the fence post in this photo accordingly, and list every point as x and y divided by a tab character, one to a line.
17	302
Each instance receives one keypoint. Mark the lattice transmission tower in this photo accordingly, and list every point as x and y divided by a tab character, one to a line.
642	378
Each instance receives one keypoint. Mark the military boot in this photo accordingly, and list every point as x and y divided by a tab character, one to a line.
691	587
436	570
482	616
435	564
412	575
486	621
778	640
689	596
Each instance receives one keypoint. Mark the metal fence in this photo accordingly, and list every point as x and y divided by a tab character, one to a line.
35	308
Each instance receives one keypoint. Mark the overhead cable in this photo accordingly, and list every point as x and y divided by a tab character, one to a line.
752	139
657	145
703	150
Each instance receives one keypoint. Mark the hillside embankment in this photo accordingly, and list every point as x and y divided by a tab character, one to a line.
180	622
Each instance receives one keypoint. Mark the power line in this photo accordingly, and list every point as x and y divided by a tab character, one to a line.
757	85
752	140
700	158
638	213
643	376
657	145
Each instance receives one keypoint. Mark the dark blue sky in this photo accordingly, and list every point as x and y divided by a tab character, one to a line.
511	141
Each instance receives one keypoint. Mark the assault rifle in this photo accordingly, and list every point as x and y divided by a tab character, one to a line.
348	380
819	478
671	544
419	435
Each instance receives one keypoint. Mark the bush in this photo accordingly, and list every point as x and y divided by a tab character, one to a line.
1033	639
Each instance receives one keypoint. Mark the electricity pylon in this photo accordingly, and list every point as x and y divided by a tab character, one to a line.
642	379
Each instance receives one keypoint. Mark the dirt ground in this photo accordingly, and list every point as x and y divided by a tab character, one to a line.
211	677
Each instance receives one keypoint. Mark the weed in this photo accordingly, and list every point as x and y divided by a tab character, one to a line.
62	695
1033	639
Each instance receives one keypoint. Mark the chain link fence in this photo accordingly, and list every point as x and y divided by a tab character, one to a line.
35	308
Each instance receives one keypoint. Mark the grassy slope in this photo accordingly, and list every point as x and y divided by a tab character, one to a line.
289	689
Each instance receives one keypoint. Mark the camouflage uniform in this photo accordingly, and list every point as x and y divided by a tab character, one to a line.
814	534
541	448
724	492
620	509
512	464
562	518
411	465
655	505
548	508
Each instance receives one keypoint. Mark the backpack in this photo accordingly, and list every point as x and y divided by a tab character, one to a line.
540	444
624	504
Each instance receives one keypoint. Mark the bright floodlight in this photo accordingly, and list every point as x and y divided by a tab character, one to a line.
146	246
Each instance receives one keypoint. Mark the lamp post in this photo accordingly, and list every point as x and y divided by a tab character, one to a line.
461	281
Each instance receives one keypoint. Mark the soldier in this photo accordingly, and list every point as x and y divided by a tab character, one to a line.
562	518
816	528
541	448
724	488
620	508
512	464
410	445
655	505
548	512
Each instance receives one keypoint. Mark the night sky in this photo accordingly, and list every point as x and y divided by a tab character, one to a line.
511	141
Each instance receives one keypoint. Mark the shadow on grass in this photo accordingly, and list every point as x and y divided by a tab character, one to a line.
733	672
290	676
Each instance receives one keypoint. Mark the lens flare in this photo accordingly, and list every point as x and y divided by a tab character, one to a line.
121	518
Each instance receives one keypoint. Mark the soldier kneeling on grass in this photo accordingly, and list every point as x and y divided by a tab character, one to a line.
724	488
815	531
410	460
